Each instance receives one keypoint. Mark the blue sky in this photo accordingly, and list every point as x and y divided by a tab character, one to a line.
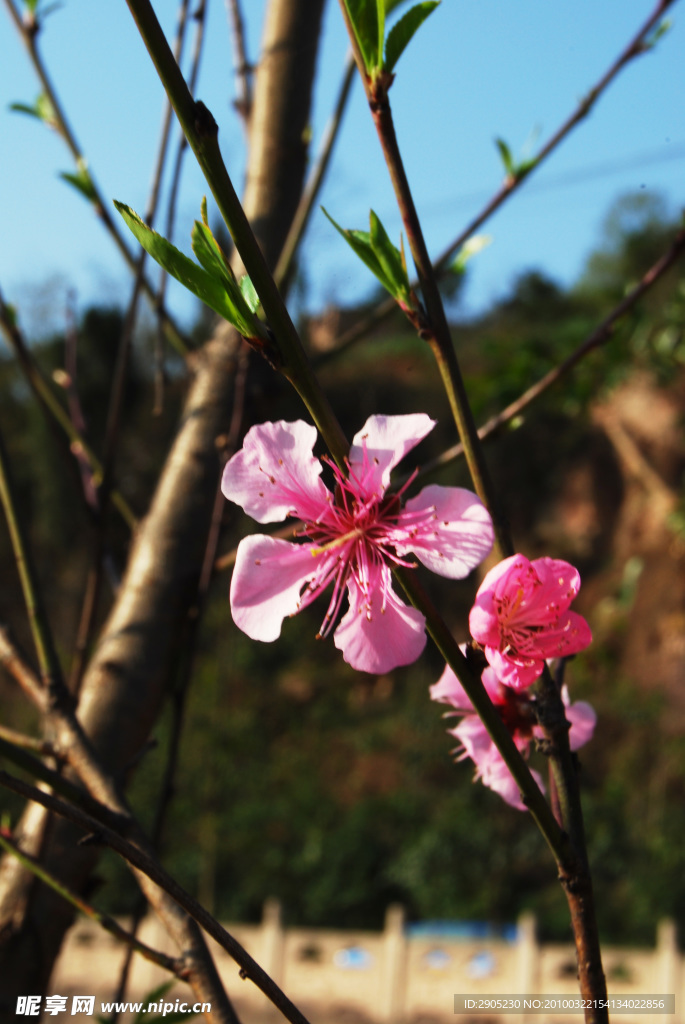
477	69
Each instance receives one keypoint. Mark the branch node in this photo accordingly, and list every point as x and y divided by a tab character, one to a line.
203	121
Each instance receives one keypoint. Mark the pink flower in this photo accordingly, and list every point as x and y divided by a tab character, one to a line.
353	538
521	617
517	710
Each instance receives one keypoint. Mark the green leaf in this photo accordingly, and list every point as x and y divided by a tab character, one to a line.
208	288
401	33
506	156
664	26
525	167
249	293
153	996
81	181
242	296
24	108
42	110
472	245
390	259
210	256
360	242
365	18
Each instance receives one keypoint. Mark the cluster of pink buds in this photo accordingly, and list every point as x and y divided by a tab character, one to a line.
520	618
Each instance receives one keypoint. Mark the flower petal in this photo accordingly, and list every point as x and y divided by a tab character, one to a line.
549	586
457	537
381	443
448	690
583	719
275	473
515	672
500	779
476	741
268	577
377	638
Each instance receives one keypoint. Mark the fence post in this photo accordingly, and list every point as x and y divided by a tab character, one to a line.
272	940
527	958
667	974
394	962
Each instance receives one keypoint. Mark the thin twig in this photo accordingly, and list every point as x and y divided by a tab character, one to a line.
16	665
635	48
384	309
430	322
98	833
300	221
24	742
173	964
285	347
28	763
598	337
53	409
200	20
496	423
71	743
241	66
101	206
116	399
46	653
184	674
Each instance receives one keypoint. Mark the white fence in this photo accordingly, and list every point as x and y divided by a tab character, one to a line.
390	976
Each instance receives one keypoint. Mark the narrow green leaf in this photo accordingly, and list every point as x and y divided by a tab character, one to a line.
389	258
249	293
196	279
380	14
363	15
210	256
82	182
401	33
42	109
525	167
664	26
24	108
507	159
203	211
472	246
360	243
153	997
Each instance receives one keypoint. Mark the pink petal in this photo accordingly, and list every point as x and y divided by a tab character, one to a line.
268	577
448	690
387	439
500	779
548	587
476	741
275	473
484	624
377	639
492	685
514	672
583	719
458	536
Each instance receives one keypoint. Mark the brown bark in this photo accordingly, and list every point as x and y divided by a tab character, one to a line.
123	686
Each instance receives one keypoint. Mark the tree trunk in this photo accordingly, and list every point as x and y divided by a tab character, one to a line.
123	687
